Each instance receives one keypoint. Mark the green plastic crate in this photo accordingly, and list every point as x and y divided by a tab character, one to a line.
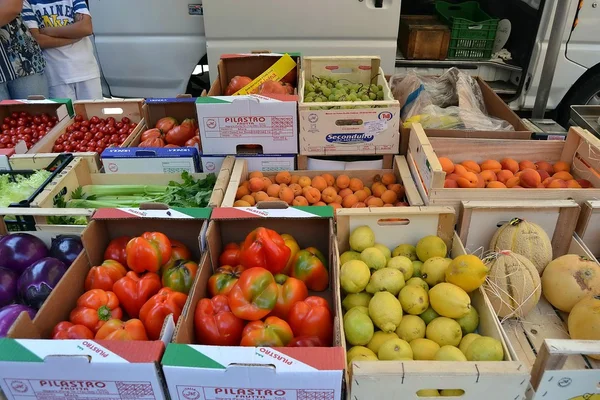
472	31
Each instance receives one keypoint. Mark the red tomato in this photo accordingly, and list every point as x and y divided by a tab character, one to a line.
116	250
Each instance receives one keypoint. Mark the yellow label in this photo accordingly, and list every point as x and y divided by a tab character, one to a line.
275	73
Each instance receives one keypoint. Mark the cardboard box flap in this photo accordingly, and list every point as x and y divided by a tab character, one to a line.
283	359
162	100
28	350
153	213
299	212
152	152
246	101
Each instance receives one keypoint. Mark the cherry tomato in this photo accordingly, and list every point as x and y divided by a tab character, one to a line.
94	120
78	118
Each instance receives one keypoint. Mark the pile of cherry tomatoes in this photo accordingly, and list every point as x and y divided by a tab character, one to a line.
22	126
95	134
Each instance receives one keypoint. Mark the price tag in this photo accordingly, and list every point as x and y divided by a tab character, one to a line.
373	128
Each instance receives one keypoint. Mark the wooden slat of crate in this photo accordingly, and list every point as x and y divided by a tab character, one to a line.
387	161
557	217
581	149
398	379
117	108
400	169
33	161
588	226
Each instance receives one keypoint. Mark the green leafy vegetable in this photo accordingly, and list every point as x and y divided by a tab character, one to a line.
21	187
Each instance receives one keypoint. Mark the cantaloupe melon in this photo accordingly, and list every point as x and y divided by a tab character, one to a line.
524	238
513	284
569	279
584	320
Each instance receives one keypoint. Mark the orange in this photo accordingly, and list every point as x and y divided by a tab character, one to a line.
388	178
349	201
283	177
510	164
319	183
447	165
342	181
562	166
355	184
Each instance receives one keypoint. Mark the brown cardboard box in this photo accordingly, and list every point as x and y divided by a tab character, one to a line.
496	107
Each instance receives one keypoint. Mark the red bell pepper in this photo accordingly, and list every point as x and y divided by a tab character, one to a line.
230	255
94	308
115	329
133	291
310	266
265	248
312	317
104	276
179	275
154	312
215	324
289	291
222	281
254	295
116	250
273	332
148	252
67	330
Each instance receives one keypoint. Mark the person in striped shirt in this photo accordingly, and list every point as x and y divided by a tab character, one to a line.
21	60
63	29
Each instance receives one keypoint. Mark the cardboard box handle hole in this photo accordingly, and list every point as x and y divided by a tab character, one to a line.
346	122
112	111
393	221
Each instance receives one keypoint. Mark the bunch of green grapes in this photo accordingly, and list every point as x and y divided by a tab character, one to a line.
326	88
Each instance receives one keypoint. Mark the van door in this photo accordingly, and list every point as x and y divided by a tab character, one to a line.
148	48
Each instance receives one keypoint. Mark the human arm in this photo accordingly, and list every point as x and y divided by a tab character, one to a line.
9	10
81	28
48	42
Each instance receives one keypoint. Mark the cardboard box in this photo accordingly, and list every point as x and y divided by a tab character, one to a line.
370	127
579	150
495	106
116	108
151	160
493	380
256	162
229	124
5	154
210	372
588	226
31	365
180	108
241	172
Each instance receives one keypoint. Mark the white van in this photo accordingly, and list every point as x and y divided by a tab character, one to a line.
150	48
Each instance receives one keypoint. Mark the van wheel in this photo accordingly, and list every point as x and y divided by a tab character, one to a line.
586	92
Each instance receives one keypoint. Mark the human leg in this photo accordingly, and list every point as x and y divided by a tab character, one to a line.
31	85
4	95
89	90
63	91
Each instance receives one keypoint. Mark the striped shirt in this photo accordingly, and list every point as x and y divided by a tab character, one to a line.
67	64
20	54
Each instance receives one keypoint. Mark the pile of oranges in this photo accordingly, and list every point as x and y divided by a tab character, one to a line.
339	192
509	173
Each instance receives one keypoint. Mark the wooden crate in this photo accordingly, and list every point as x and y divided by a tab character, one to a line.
116	108
500	380
33	161
400	169
588	226
386	160
423	37
548	376
481	219
526	336
581	149
77	174
373	128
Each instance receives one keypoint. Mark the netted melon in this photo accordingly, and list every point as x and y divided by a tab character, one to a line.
524	238
513	284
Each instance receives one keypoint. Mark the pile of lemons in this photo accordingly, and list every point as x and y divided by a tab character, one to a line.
412	302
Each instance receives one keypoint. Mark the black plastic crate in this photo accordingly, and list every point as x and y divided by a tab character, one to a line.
27	223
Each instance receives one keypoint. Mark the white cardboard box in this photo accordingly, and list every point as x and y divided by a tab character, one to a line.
222	373
256	162
139	160
228	122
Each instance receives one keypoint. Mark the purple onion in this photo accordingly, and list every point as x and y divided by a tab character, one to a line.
9	314
66	248
8	286
38	280
19	250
